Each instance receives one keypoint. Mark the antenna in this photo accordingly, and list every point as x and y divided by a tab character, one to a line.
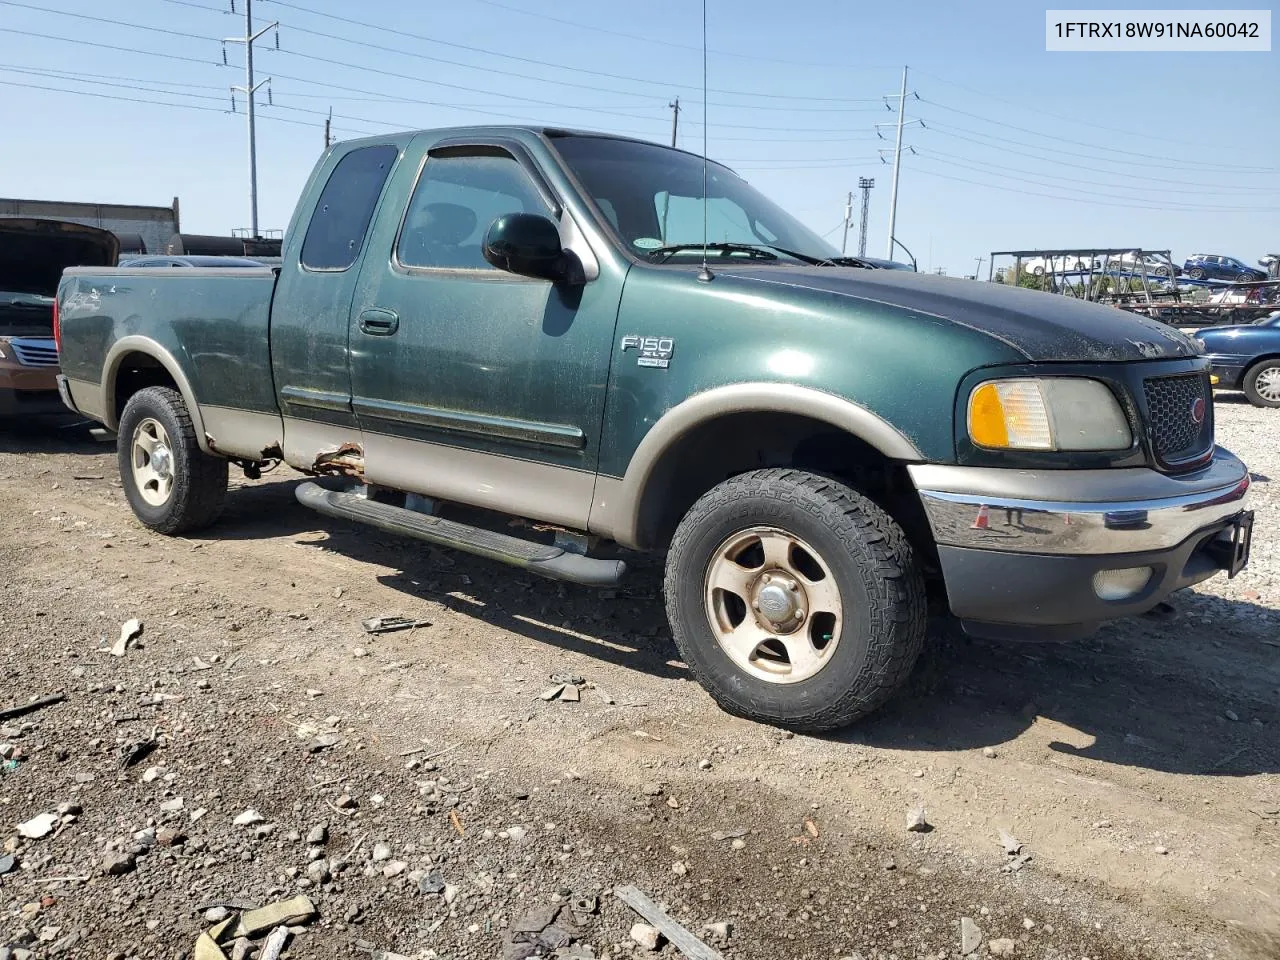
705	274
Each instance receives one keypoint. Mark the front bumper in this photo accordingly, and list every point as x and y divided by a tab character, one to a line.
1020	549
28	391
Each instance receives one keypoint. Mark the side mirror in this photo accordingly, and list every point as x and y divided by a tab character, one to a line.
527	244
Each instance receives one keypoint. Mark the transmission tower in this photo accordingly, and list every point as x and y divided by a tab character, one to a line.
865	185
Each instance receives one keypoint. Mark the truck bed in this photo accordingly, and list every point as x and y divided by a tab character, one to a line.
212	323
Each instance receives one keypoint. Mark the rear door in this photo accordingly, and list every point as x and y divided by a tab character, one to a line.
471	383
311	308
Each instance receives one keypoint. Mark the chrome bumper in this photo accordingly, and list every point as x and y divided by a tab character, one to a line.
1078	512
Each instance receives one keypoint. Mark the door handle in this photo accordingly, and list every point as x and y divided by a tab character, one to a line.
379	323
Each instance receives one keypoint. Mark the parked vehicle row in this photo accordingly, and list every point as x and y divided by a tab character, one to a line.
1247	357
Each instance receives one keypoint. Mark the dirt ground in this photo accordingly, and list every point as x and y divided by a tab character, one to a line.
1139	770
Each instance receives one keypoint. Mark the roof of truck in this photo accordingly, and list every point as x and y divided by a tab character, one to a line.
509	128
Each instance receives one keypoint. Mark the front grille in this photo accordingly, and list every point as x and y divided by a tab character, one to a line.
35	351
1172	405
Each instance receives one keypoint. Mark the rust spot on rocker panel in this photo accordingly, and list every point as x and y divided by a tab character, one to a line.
346	461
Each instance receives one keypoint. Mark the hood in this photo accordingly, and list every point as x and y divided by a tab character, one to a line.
1040	326
33	254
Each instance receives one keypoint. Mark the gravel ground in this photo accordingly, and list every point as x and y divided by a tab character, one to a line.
419	792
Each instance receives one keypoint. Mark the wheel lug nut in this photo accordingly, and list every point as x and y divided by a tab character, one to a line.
799	614
766	578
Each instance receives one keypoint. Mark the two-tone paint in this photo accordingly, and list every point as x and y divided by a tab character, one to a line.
513	393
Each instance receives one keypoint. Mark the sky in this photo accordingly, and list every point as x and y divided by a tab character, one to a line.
1017	148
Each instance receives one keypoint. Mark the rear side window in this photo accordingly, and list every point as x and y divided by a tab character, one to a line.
341	218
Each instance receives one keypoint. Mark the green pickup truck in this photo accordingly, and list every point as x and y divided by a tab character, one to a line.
623	347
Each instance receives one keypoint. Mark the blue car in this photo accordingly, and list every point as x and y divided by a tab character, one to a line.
1204	266
1247	358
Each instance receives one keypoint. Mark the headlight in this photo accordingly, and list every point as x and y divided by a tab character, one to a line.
1050	413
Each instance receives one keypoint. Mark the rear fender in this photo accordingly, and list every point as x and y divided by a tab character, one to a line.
145	345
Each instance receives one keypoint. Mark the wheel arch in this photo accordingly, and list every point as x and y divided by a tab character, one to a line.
139	353
727	430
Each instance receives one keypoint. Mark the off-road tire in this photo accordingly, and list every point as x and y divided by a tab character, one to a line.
199	480
1250	382
880	585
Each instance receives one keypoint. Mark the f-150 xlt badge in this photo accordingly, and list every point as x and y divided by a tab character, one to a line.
654	351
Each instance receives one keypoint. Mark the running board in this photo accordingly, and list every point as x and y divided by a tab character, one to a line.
543	559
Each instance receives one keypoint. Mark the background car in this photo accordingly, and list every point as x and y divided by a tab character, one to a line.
1204	266
1039	266
167	261
1247	357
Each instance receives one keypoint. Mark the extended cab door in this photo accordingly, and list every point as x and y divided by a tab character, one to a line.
311	310
470	383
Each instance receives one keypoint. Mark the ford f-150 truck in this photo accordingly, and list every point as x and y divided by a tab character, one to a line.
620	346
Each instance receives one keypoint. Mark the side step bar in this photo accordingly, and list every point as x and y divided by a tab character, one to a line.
548	561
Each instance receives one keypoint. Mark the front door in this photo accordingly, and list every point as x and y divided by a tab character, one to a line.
470	383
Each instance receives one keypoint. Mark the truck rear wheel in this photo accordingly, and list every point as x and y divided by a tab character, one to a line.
171	484
794	600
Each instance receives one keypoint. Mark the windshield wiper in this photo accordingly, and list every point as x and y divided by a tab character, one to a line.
844	262
754	251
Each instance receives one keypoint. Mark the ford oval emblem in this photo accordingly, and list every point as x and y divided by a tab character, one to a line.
1197	410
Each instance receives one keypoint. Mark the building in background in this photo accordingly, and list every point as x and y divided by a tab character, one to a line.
136	226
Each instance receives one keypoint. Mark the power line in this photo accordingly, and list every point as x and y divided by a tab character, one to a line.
1071	140
1101	203
664	84
983	165
950	131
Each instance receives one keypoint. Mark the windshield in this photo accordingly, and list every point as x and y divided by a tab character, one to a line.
652	198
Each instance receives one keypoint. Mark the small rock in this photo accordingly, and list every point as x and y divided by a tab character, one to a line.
359	653
346	802
1012	845
680	868
381	851
1028	923
516	834
323	742
170	837
889	865
917	822
318	871
648	937
70	809
38	826
1231	715
917	774
394	868
1163	851
451	892
248	818
216	914
1003	947
721	930
652	789
738	843
318	835
432	882
704	764
7	863
970	936
989	753
171	806
118	864
673	803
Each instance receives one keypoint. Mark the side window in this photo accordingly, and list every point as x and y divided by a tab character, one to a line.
455	201
338	226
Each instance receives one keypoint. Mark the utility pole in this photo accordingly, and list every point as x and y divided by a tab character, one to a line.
977	271
897	165
865	186
675	119
328	129
901	122
250	90
848	214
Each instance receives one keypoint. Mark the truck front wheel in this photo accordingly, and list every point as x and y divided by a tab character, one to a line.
794	600
171	484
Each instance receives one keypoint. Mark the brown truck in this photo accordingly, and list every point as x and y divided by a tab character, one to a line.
33	254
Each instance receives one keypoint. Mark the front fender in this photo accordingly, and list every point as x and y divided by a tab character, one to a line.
616	507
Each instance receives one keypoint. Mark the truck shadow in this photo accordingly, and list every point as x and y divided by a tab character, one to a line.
1192	691
1152	692
69	434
